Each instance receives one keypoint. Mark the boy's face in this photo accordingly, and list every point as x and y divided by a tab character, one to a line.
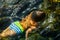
37	12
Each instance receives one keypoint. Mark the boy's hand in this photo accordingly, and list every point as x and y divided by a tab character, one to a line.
28	31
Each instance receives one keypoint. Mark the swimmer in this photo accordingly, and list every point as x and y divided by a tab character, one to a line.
29	23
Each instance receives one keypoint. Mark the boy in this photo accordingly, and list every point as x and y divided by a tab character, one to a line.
29	23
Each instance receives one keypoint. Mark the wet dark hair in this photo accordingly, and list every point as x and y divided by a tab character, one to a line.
37	18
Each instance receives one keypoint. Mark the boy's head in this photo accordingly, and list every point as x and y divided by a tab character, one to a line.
37	15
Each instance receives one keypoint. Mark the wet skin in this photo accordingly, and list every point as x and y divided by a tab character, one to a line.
26	22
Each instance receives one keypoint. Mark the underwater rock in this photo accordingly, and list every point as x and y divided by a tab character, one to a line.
11	2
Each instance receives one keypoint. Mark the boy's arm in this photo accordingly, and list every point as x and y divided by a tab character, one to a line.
28	31
28	16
